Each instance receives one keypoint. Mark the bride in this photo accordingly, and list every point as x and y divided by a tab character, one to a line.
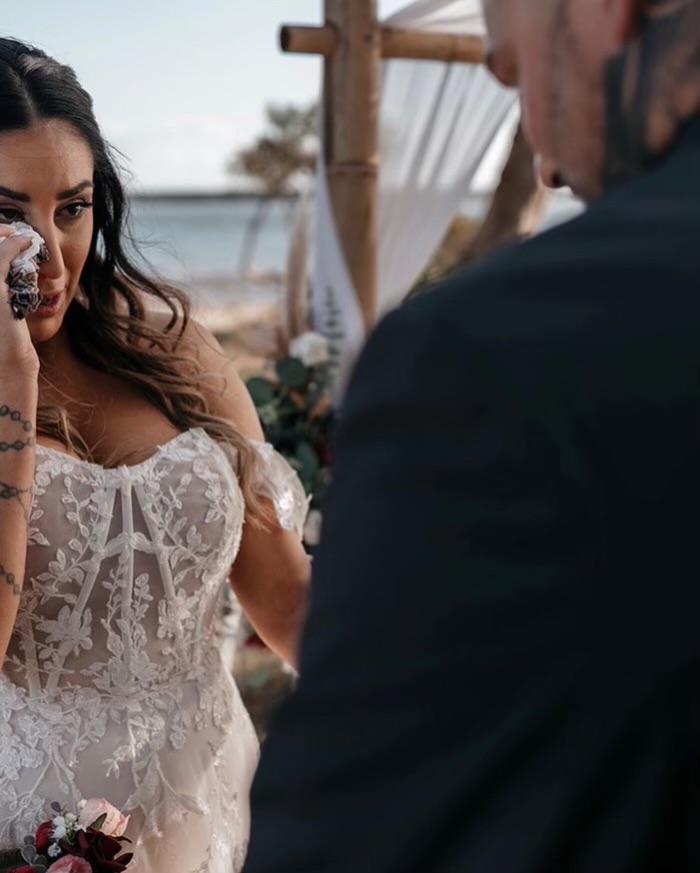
133	482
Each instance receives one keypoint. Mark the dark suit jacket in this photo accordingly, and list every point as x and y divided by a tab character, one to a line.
501	669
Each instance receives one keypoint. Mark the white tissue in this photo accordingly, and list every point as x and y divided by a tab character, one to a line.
25	260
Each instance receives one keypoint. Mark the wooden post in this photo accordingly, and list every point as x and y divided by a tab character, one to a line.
351	139
451	48
395	43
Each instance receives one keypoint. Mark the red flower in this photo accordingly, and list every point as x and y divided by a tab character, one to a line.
24	869
42	840
99	850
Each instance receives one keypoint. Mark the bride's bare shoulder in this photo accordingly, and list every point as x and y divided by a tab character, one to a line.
200	353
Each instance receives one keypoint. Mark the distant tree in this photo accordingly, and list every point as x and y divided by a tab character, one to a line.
285	150
278	158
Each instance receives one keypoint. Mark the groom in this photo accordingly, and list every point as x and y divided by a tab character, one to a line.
501	668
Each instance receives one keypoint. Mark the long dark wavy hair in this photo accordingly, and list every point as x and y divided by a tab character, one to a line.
112	333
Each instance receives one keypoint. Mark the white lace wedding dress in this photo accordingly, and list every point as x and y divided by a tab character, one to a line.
113	685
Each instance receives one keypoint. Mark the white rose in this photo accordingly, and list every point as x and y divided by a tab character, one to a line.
311	348
312	528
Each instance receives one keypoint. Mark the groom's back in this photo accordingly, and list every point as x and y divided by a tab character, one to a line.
502	662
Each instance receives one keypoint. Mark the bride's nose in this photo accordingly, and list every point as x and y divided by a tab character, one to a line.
52	268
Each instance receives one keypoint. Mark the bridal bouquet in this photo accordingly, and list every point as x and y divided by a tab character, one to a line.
89	842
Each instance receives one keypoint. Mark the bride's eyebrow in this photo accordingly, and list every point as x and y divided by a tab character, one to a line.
15	195
71	192
64	195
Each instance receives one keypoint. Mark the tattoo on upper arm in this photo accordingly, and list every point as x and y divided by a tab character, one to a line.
15	417
10	580
652	86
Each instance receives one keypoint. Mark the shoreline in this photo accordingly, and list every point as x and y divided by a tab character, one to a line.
188	196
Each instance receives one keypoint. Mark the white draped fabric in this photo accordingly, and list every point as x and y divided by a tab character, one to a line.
336	313
439	123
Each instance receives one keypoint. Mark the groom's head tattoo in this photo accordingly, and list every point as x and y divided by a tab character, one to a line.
651	87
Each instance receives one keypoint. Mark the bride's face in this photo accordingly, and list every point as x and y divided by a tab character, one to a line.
46	180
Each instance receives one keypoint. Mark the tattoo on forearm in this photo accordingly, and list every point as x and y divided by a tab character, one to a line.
9	579
11	492
652	86
16	445
15	417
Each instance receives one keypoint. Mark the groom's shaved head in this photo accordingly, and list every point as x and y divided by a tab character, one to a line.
605	84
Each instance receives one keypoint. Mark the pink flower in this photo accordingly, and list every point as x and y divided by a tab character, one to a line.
115	823
70	864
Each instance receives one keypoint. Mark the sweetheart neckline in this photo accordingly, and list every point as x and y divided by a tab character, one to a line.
129	468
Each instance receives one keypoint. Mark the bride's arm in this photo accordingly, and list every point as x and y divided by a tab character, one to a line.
272	572
271	580
18	403
18	397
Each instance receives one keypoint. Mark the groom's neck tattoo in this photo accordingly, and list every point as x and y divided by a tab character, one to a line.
652	86
14	418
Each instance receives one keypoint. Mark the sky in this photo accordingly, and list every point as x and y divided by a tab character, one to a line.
178	85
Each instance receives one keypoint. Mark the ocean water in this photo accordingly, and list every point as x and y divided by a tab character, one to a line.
201	244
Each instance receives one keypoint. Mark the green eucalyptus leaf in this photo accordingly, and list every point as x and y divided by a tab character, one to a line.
262	391
56	807
28	854
309	464
293	373
288	410
97	824
268	414
28	841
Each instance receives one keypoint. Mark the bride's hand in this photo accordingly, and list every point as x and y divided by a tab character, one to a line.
18	356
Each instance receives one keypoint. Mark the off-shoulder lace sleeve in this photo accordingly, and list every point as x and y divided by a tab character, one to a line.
276	480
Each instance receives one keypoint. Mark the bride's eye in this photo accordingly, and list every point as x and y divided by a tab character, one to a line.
10	214
75	210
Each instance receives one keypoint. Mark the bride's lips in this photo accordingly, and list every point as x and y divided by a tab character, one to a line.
50	305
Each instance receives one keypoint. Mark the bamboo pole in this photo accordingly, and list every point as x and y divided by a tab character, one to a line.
447	47
297	39
352	43
351	140
395	43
